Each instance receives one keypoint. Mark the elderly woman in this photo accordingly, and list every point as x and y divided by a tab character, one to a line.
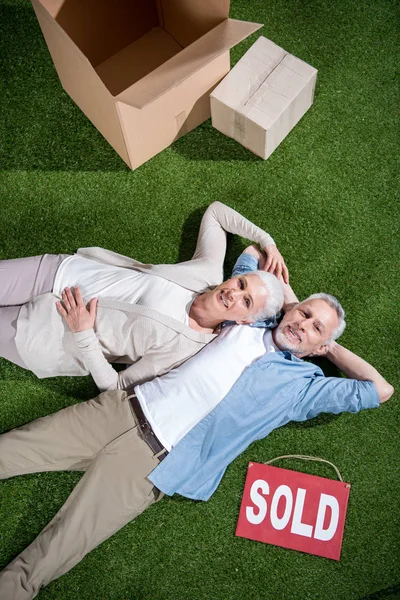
152	317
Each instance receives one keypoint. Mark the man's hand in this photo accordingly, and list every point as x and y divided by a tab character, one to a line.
74	311
324	350
275	263
289	297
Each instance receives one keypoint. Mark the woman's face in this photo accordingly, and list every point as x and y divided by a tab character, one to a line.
238	299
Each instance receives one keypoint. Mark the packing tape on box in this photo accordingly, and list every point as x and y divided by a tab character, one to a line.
239	127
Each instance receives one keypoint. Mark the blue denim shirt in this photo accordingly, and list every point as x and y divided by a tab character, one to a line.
274	390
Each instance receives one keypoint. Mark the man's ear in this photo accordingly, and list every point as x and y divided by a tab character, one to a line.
321	351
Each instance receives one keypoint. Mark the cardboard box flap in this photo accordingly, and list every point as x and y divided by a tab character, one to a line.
100	28
181	66
81	82
54	33
187	20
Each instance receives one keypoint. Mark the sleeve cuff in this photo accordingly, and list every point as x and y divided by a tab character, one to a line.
83	337
245	264
370	396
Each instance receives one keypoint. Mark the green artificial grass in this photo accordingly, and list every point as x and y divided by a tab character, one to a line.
328	195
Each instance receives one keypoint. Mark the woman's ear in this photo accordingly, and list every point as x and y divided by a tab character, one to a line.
245	321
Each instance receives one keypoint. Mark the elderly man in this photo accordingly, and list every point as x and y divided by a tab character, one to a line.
179	432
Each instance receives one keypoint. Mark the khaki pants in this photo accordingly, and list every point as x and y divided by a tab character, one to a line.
99	437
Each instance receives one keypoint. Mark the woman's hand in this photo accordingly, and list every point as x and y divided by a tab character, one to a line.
74	311
275	263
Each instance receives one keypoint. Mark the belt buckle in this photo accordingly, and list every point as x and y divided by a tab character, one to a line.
145	428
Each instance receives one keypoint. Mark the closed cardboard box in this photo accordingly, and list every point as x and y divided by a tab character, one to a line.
141	70
263	97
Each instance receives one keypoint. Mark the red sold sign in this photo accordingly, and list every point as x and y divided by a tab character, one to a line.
293	510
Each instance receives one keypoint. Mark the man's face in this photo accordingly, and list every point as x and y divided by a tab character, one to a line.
305	329
237	299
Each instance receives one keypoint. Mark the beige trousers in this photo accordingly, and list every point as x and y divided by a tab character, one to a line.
101	438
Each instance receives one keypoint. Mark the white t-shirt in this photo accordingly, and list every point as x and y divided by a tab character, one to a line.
98	280
175	402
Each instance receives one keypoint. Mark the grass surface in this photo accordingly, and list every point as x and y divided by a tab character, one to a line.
328	197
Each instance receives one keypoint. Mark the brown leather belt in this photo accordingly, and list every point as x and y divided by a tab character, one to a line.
146	431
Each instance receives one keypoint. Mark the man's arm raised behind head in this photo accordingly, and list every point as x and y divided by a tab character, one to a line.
290	298
355	367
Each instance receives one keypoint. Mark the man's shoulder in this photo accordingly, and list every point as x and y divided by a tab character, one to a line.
281	373
288	361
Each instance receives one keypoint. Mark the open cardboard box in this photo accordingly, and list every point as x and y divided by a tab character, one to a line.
141	70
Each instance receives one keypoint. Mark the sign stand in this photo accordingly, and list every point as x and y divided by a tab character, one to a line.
305	457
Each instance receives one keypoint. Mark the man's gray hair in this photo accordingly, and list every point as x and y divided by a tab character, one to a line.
274	299
337	307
